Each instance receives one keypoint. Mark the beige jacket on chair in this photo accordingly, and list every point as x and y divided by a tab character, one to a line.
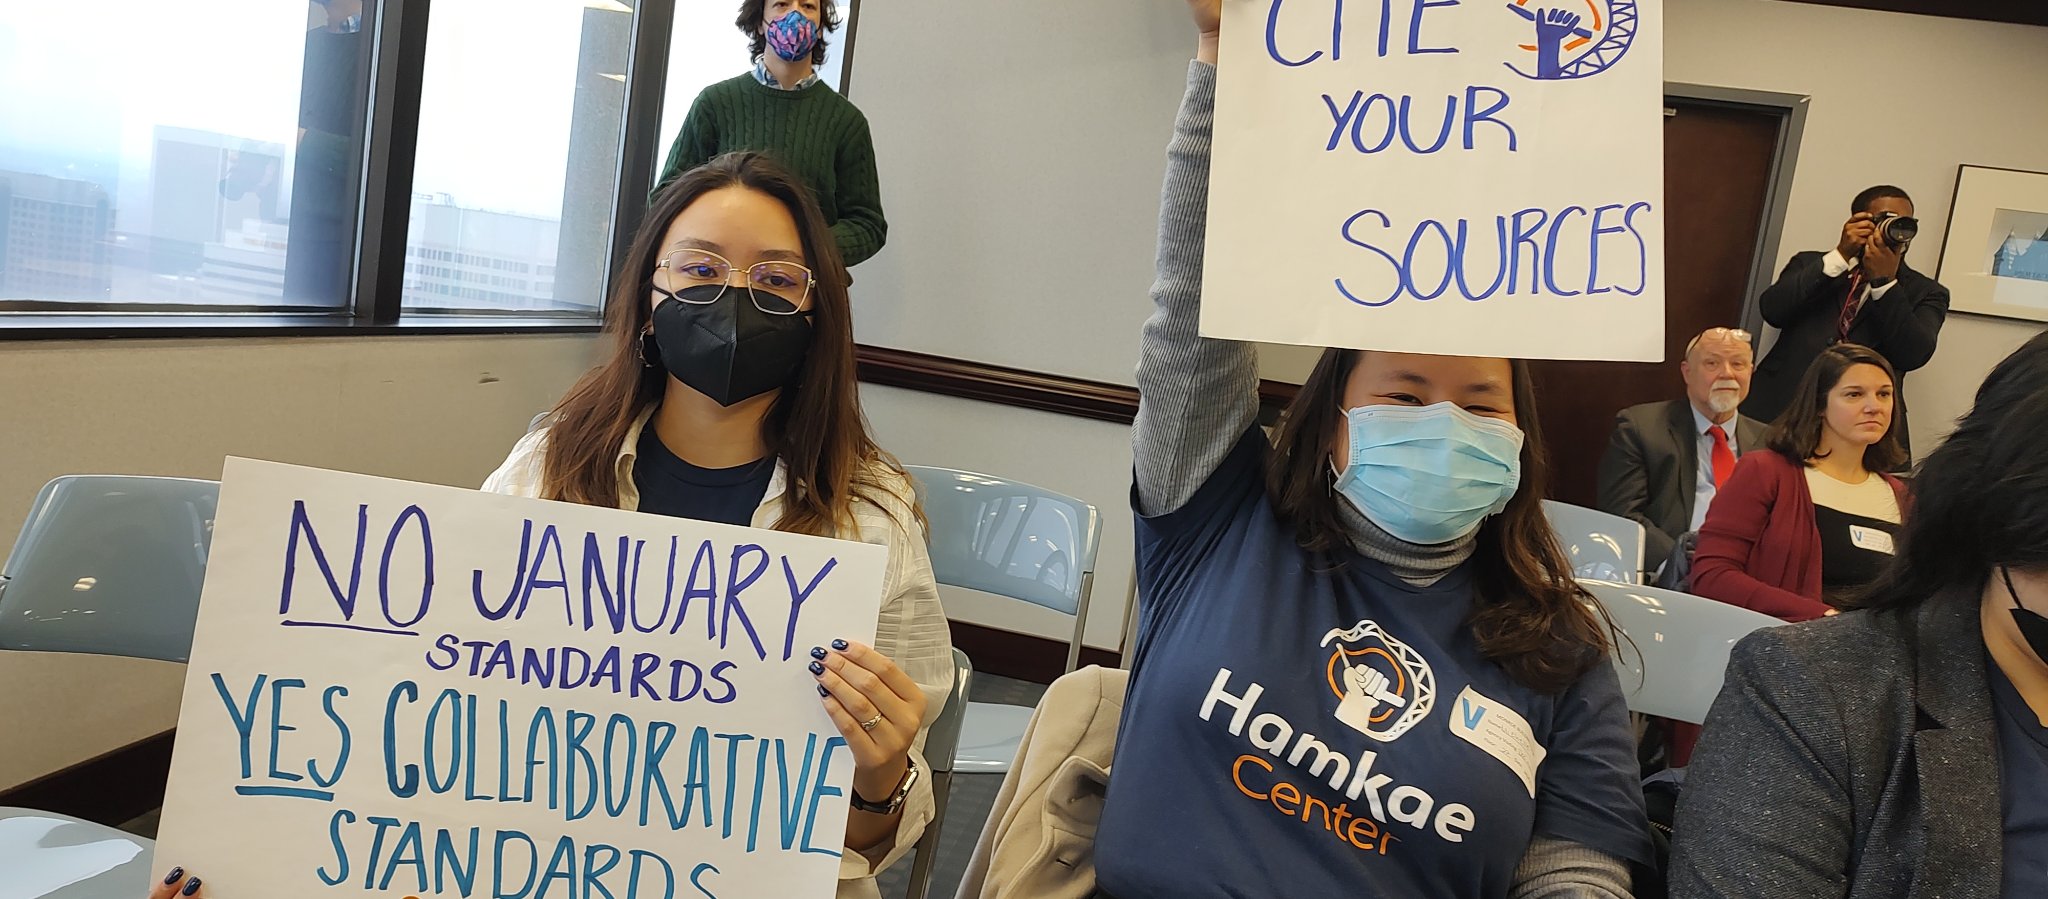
1039	842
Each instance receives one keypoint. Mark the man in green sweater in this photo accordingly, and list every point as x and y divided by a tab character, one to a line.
782	108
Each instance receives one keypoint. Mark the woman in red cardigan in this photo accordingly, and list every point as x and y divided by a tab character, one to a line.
1795	530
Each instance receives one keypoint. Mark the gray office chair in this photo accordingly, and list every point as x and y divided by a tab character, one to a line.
1017	541
1676	654
108	565
940	742
1601	546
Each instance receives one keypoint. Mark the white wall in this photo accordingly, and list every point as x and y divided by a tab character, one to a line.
1951	94
442	410
1020	173
1021	156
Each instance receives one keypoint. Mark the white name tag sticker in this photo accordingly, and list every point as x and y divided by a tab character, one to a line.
1871	539
1500	732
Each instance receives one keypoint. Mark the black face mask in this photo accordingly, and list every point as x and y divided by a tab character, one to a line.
727	350
2032	626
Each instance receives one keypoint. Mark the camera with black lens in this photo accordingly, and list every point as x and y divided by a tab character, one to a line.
1896	230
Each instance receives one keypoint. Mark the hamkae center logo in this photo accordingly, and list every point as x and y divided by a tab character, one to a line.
1383	689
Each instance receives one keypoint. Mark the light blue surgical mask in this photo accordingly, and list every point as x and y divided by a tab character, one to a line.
1429	474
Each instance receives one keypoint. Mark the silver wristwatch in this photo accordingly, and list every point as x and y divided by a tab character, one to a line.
895	801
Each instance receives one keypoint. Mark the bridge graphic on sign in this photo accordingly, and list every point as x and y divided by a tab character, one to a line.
1571	44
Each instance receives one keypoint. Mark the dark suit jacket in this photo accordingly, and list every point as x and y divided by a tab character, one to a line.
1805	304
1852	757
1651	468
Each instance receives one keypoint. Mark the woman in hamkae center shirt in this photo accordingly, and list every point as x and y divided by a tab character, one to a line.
1363	668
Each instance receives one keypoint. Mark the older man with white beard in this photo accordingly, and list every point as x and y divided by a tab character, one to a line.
1666	460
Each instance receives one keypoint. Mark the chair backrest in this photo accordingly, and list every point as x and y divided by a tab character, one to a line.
1676	652
942	739
1009	538
1600	546
1012	539
111	565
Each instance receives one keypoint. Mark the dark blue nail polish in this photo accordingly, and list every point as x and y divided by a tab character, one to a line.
839	645
817	652
191	886
817	668
173	877
822	691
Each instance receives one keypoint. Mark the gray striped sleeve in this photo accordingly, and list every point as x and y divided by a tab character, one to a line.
1196	396
1560	869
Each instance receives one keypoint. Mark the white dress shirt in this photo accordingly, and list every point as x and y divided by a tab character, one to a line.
1834	265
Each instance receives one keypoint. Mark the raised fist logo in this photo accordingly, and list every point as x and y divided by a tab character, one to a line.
1383	687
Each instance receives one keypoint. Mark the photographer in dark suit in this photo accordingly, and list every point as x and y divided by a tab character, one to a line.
1862	292
1666	460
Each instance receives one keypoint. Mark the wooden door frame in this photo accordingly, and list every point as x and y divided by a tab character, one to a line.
1790	111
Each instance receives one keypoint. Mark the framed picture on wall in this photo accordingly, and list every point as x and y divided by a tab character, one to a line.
1994	259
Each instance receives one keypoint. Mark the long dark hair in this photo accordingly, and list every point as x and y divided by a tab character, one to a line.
1532	617
749	22
1980	500
1796	433
815	427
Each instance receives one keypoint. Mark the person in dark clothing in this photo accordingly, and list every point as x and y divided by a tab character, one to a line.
1862	291
1901	748
780	107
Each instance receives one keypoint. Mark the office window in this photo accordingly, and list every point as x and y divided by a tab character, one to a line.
517	167
342	162
179	158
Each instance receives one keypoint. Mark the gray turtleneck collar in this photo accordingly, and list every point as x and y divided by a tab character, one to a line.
1417	564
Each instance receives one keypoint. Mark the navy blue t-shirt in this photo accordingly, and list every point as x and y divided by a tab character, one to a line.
1303	724
670	486
2023	789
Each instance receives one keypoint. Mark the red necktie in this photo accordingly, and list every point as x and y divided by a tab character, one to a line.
1724	458
1849	307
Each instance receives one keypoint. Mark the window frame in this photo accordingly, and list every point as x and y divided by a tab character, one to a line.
390	144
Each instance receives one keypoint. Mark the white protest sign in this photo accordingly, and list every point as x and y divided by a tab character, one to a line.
406	690
1483	177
